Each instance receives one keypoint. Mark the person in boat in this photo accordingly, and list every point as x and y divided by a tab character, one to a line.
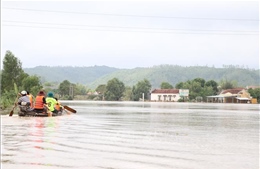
24	102
40	102
51	103
31	98
58	106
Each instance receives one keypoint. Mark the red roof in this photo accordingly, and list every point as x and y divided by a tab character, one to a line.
175	91
232	91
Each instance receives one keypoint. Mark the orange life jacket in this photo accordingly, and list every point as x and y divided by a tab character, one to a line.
31	100
58	106
39	102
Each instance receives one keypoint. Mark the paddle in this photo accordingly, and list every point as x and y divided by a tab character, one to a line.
12	111
70	109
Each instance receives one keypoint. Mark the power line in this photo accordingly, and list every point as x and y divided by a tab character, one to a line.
122	27
46	27
127	15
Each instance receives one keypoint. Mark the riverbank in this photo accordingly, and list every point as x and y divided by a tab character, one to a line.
5	111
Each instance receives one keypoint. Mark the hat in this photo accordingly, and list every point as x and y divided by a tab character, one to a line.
50	94
23	92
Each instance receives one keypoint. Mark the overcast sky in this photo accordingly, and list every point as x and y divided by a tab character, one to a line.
131	34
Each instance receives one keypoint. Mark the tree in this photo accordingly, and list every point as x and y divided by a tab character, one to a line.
255	93
101	89
140	88
207	91
195	86
114	90
127	93
79	89
166	85
64	88
225	84
12	76
32	84
214	85
200	81
12	72
179	85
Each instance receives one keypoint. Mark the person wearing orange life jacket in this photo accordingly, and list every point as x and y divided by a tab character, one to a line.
58	106
40	102
31	98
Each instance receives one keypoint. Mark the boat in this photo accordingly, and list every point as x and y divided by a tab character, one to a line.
37	113
26	111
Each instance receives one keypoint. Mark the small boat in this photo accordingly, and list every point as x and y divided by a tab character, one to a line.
25	110
37	113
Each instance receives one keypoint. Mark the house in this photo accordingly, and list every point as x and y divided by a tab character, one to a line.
236	95
168	95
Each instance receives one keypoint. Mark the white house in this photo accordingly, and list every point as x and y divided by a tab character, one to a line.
165	95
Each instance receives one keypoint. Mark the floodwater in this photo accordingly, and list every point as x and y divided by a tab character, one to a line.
135	135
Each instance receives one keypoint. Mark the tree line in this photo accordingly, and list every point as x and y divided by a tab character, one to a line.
95	75
14	79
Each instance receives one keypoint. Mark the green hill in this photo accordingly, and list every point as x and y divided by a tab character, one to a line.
83	75
94	76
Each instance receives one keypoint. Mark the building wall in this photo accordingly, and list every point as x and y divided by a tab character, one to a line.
165	97
254	101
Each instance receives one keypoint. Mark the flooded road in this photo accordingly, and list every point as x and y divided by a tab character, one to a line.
135	135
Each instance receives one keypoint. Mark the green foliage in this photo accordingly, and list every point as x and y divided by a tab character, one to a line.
12	72
207	91
225	84
15	88
114	90
82	75
199	88
214	85
127	94
166	85
79	89
7	98
174	74
68	90
200	81
32	84
179	85
64	88
255	93
141	87
101	89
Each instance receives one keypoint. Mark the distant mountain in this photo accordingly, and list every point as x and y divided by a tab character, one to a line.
83	75
94	76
